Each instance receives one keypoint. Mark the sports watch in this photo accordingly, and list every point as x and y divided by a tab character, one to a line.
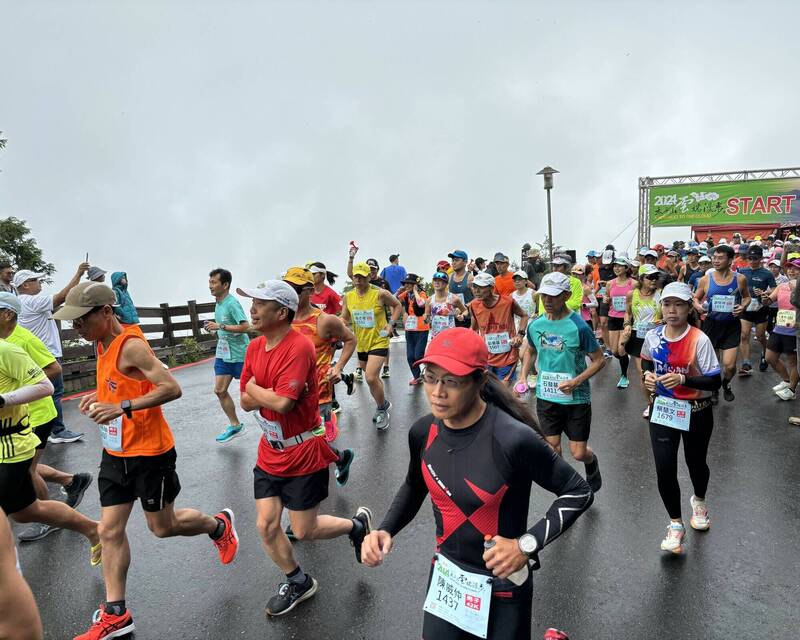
125	405
527	544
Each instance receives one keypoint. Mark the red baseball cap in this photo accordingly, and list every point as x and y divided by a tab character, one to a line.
659	247
443	263
459	351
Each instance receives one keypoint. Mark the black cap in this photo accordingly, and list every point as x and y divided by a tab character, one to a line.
411	278
756	251
372	262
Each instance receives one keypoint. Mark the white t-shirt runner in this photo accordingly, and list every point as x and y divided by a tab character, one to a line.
37	317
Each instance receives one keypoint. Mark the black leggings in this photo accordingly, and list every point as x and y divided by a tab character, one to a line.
624	361
665	441
509	617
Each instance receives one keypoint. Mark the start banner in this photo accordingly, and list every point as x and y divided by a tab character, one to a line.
726	203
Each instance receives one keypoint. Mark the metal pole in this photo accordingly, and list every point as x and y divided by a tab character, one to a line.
549	226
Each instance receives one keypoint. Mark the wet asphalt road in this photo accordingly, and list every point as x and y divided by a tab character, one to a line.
606	578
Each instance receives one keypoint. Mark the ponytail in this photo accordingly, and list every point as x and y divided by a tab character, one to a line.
495	392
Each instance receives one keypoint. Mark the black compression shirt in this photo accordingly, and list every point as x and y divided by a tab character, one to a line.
480	480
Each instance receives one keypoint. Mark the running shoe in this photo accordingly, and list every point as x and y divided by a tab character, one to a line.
381	418
786	394
230	433
593	476
673	541
727	394
532	380
289	595
364	516
108	625
607	353
794	420
780	387
75	490
350	383
623	382
714	398
335	408
36	531
762	364
228	543
358	376
64	437
343	467
700	519
555	634
385	372
646	412
746	369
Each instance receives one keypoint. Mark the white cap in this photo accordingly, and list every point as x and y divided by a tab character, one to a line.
651	252
24	275
559	259
702	245
554	284
314	269
679	290
723	241
521	274
275	290
777	263
704	259
621	260
483	279
648	270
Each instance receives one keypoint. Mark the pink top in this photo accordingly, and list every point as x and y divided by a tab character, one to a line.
618	293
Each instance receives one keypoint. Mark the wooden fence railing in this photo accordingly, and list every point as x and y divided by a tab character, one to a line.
160	326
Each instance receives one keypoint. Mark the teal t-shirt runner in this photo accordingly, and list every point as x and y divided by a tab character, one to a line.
562	347
231	347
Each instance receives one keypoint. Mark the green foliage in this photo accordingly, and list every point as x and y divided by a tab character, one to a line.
16	244
172	361
191	351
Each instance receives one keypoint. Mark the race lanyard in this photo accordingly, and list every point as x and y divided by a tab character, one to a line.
364	318
411	323
671	412
440	323
618	303
786	318
723	304
459	597
111	434
223	348
498	342
548	386
273	431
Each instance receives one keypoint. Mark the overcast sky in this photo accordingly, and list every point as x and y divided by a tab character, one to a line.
169	138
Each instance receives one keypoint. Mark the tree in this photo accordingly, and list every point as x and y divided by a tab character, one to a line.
22	250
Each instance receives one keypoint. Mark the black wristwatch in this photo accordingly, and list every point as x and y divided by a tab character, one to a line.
125	405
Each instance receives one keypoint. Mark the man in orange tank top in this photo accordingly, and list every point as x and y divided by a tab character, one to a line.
138	450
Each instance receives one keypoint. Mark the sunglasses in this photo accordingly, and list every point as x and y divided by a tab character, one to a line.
653	277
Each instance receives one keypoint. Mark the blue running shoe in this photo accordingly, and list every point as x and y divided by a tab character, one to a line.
230	433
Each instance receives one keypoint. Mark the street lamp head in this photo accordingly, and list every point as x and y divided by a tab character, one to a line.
547	172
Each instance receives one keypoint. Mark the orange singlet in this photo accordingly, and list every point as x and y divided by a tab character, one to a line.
147	433
324	349
496	325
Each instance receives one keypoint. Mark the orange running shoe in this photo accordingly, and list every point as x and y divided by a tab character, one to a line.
228	543
107	625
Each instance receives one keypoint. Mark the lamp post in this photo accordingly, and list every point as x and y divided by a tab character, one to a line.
548	172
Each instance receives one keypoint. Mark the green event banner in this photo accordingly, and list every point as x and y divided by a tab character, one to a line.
728	203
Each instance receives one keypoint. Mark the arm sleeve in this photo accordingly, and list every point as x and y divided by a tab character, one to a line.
29	393
710	378
411	494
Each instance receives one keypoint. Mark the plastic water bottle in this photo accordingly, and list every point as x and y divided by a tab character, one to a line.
518	577
521	389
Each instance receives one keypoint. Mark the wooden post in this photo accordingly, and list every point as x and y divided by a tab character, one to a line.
169	336
194	318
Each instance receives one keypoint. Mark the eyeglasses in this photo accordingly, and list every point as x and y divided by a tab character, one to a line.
448	382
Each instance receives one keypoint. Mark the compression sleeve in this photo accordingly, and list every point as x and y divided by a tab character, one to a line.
29	393
704	383
411	494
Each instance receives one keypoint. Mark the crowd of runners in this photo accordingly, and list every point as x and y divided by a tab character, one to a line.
483	339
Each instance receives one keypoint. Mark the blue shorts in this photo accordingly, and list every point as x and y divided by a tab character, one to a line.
502	372
222	368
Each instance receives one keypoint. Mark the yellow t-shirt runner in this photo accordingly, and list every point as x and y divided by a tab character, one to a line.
368	316
16	370
41	411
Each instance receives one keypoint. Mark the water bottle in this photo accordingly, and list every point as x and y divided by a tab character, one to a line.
518	577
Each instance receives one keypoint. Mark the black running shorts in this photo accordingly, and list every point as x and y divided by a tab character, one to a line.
151	479
723	335
573	419
781	343
757	317
616	324
297	493
43	432
16	486
379	353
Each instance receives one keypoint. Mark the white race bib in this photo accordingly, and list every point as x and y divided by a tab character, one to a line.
440	323
723	304
498	342
786	318
671	413
548	382
272	430
364	318
618	303
111	434
411	323
223	348
459	597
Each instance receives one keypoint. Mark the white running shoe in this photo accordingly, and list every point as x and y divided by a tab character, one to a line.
646	412
700	520
673	541
780	387
786	394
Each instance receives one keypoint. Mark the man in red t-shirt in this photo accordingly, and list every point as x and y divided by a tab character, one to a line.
279	383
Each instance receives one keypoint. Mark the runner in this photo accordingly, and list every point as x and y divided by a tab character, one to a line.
42	415
782	339
741	260
728	296
692	265
493	318
643	313
414	301
478	451
138	458
365	307
19	617
279	383
23	382
325	331
324	297
605	273
393	274
444	309
460	283
775	268
589	301
37	317
703	265
504	280
231	326
562	342
681	370
6	275
563	264
760	282
523	294
616	295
